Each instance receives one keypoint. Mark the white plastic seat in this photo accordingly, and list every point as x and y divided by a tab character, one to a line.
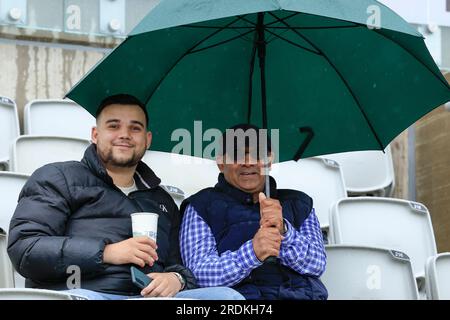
367	172
176	193
367	273
189	174
9	129
437	272
36	294
57	118
387	223
6	270
31	152
321	179
11	184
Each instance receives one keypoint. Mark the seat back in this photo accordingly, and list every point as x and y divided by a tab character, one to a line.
387	223
31	152
437	272
9	128
190	174
321	179
6	270
176	193
10	186
367	273
57	118
367	172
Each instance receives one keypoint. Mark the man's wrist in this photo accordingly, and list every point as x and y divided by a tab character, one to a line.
181	279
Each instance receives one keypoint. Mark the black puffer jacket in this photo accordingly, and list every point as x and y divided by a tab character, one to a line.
69	211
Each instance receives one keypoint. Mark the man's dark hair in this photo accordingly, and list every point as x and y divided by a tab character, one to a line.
121	98
232	143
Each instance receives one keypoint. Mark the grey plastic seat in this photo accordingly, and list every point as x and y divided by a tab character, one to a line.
36	294
368	273
367	172
387	223
321	179
9	129
6	270
437	272
57	118
31	152
176	194
11	184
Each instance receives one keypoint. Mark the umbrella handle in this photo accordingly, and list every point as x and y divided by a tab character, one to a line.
310	135
271	260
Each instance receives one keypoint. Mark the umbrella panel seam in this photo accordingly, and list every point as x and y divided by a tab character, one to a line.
185	54
342	78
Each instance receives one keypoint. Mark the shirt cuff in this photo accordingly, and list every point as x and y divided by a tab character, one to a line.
289	236
249	259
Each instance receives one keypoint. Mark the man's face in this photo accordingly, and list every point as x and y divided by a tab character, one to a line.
248	176
121	135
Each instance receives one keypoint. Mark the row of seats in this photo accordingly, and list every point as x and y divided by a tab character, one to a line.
391	224
370	273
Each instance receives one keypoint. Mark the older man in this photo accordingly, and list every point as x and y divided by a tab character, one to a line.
229	231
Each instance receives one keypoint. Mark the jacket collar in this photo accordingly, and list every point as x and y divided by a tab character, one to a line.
242	196
144	176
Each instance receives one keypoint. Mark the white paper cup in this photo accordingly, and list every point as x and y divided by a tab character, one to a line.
145	224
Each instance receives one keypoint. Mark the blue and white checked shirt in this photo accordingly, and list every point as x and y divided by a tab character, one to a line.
302	250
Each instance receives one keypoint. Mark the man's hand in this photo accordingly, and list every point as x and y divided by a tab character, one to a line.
271	213
266	243
139	251
163	285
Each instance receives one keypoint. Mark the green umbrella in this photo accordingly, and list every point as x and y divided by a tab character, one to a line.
305	67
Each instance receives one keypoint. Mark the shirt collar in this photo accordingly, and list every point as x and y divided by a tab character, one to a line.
244	197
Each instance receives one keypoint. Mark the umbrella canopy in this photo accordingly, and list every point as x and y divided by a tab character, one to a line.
300	66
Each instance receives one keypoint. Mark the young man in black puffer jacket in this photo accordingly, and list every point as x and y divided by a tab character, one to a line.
78	214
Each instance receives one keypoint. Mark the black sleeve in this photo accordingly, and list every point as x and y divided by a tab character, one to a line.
37	245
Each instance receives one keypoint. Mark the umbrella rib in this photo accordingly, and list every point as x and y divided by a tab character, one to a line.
316	28
343	80
250	91
221	42
185	54
293	43
215	27
281	20
411	54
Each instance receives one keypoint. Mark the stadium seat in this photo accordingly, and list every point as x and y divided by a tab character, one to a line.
188	174
321	179
387	223
10	186
368	273
36	294
9	129
57	118
176	193
437	272
367	172
6	270
31	152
